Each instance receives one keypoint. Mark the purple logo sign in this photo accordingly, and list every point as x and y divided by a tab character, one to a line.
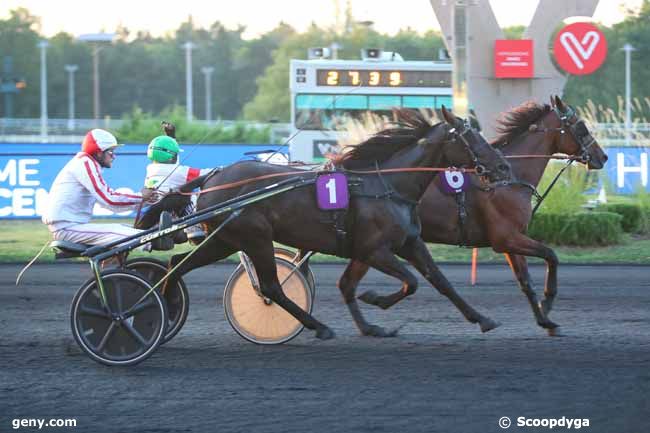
454	181
332	191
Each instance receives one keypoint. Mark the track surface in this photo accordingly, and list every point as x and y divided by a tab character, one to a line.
439	375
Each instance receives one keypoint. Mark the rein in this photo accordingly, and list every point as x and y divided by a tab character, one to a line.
540	197
290	173
561	156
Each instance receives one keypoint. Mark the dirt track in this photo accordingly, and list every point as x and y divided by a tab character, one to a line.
439	375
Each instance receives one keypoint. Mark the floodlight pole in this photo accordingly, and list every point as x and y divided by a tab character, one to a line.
628	103
96	104
43	46
188	46
95	39
71	69
207	72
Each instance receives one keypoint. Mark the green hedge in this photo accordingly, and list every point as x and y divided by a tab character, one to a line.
141	127
579	229
632	215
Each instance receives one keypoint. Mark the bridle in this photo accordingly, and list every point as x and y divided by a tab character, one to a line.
456	135
569	121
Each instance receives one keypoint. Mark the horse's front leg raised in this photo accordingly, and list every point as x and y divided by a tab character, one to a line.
385	261
348	283
417	254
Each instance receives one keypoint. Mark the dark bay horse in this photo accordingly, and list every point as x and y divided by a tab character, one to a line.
380	221
499	217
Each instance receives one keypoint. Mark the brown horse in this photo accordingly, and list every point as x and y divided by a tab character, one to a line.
499	217
380	221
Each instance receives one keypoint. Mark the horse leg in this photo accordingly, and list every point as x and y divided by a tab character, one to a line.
418	255
348	283
523	245
519	267
385	261
550	286
212	251
262	255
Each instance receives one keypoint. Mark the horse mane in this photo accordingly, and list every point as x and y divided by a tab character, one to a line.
517	121
408	127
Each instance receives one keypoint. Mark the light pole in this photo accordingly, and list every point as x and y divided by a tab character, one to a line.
207	72
96	39
71	69
43	46
628	104
460	56
335	47
188	46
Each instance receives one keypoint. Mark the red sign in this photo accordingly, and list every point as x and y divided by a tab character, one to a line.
513	58
580	48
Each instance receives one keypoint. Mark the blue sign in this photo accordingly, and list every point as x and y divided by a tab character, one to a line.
28	170
627	169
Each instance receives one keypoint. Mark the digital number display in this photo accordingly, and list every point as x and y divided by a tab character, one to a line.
385	78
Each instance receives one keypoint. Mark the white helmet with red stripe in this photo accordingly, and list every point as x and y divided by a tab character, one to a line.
98	140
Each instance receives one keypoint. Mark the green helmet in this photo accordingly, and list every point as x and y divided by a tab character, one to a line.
163	149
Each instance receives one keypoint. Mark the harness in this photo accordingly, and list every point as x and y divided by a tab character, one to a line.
342	220
579	133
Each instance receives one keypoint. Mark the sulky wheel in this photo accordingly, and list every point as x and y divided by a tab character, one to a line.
292	257
176	296
125	333
257	319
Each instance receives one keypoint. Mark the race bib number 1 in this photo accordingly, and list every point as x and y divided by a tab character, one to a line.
332	191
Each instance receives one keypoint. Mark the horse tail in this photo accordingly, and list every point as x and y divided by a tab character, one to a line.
199	181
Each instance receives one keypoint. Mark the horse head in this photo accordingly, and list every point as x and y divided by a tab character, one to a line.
474	150
578	141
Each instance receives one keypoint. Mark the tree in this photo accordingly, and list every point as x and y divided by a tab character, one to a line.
18	39
272	100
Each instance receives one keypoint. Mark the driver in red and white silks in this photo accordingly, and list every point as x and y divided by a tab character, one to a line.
76	189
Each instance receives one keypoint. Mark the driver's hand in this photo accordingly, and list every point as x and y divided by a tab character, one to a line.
151	196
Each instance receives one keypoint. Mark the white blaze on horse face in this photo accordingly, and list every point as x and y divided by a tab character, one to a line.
569	42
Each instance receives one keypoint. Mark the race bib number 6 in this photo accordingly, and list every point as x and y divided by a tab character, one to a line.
454	181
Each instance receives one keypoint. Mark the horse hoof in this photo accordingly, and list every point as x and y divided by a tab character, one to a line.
324	333
378	331
488	325
369	297
547	324
555	332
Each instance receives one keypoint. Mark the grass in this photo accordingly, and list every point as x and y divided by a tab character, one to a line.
20	240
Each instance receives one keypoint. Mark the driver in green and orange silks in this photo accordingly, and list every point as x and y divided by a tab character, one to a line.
165	174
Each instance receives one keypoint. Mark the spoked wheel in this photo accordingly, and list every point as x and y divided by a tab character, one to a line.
255	317
125	333
176	296
292	257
